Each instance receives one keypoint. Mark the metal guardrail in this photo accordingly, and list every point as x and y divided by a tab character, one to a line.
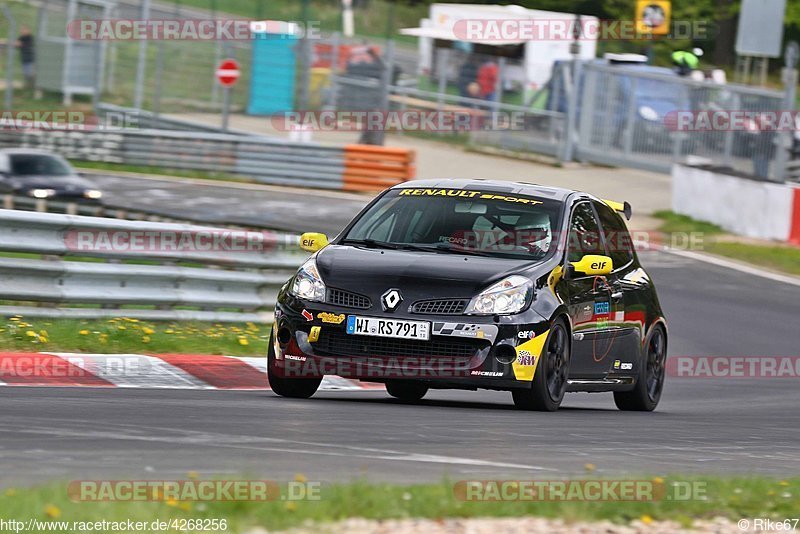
266	160
151	270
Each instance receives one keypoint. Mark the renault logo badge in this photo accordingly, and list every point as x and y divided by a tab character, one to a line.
391	299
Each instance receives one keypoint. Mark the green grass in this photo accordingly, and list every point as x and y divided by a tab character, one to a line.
126	335
731	497
148	169
784	258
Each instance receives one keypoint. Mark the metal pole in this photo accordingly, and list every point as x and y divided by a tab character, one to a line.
142	60
226	106
12	38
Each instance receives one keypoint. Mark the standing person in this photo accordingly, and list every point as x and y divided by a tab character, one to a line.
487	79
27	56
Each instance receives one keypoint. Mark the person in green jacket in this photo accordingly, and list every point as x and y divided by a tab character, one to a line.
686	61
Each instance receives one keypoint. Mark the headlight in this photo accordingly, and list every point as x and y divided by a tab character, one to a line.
94	194
648	113
308	284
509	295
42	193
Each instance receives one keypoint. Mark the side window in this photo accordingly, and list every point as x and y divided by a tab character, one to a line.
584	233
618	239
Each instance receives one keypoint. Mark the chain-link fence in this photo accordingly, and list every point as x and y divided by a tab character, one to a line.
592	111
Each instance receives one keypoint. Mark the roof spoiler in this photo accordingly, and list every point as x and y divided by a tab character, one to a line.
621	207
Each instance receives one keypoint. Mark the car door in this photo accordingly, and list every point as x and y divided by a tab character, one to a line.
624	338
589	297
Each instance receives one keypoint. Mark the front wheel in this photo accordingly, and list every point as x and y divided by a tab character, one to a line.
650	382
296	388
550	381
406	391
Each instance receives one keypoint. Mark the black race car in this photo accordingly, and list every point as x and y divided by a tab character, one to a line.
475	284
43	175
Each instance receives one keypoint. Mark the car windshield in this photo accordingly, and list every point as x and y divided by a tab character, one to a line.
38	164
485	223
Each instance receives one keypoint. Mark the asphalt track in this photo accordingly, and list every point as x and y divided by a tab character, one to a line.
702	425
277	208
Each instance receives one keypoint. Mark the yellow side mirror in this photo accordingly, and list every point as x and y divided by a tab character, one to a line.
593	265
313	241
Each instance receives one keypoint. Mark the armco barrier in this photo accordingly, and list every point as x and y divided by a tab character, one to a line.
266	160
208	282
743	206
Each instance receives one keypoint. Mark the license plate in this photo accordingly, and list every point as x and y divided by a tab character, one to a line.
399	328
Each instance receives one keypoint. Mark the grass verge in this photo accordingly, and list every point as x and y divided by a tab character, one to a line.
730	497
784	258
127	335
147	169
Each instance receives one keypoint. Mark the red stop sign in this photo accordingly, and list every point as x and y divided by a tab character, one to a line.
228	72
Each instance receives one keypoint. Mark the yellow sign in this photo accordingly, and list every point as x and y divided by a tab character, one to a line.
330	318
653	16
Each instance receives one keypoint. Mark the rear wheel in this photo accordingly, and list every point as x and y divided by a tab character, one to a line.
406	391
550	381
650	382
296	388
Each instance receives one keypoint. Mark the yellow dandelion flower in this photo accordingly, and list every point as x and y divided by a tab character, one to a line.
84	332
145	339
169	331
10	492
185	506
243	341
291	506
172	502
122	327
783	483
148	331
52	511
14	319
193	475
31	333
589	467
300	477
658	480
646	519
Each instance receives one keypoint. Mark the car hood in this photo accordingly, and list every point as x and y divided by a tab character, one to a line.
418	275
59	183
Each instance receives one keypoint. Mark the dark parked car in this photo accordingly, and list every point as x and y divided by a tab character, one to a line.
43	175
475	284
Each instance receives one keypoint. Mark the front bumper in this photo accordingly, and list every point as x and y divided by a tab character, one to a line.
470	352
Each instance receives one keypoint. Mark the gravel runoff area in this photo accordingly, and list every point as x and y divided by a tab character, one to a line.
521	525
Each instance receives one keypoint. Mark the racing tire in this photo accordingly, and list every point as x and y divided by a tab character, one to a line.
550	381
650	382
294	388
406	391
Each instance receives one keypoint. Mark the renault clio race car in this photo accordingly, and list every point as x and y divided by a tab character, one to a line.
474	284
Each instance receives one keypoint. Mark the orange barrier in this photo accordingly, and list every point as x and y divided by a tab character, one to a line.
371	168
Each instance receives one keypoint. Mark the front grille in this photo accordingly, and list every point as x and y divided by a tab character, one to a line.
347	299
440	307
337	343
